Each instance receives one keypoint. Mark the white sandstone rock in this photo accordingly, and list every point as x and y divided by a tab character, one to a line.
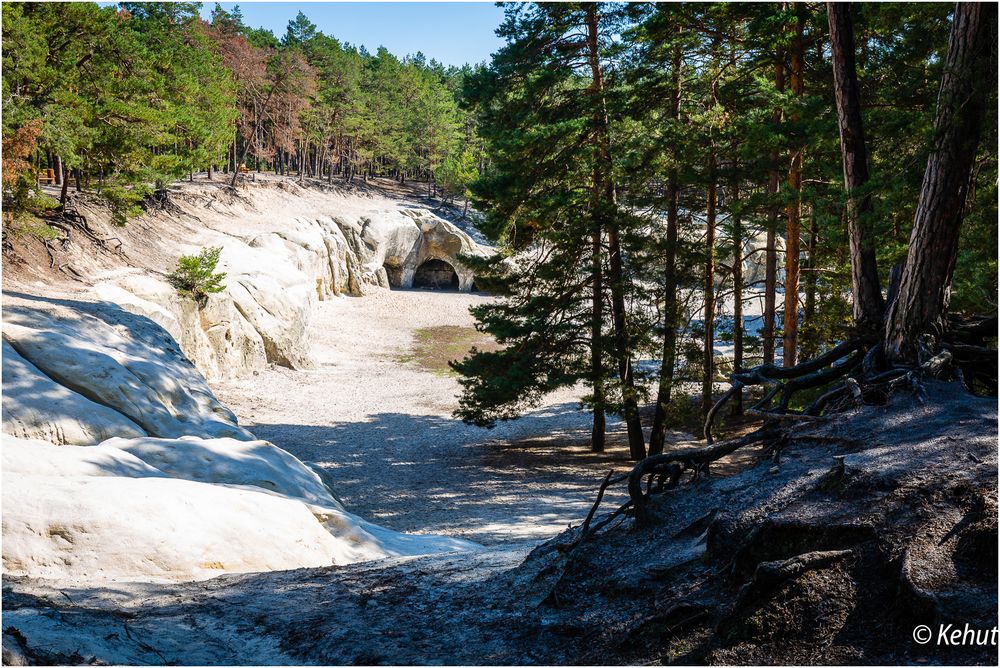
34	457
228	461
120	360
35	406
101	512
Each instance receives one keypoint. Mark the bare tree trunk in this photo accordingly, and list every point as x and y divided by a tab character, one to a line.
737	294
794	209
63	192
809	347
597	434
771	254
925	287
607	207
869	306
658	433
708	350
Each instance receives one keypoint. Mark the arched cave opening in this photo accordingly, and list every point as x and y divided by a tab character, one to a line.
436	274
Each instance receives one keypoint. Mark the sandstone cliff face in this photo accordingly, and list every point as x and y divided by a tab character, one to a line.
160	481
284	247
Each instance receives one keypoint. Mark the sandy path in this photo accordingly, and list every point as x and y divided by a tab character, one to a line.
383	428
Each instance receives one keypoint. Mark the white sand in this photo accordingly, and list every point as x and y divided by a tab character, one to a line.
383	429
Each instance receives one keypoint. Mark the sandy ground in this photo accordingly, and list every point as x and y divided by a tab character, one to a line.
383	429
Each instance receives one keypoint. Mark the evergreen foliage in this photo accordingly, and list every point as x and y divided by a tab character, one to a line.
132	98
642	168
739	122
195	275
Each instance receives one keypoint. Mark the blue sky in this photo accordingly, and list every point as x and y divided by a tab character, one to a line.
452	32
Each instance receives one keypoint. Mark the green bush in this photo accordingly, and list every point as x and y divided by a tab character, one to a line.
195	275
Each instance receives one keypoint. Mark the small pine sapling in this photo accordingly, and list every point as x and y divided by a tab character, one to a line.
195	275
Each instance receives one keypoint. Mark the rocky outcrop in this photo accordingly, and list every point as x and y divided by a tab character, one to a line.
435	239
284	246
118	460
187	509
34	405
84	353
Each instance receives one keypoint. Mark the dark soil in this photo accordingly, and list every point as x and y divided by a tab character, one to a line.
872	522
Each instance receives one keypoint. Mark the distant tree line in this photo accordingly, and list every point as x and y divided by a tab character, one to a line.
123	101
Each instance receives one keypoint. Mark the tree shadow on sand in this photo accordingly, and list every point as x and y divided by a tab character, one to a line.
525	480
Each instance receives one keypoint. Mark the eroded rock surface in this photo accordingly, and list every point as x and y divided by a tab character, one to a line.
151	509
119	461
284	246
98	353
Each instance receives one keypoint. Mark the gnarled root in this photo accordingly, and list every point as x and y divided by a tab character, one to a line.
769	575
69	220
841	360
670	465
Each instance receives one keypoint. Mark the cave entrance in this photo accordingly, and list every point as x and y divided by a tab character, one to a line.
436	274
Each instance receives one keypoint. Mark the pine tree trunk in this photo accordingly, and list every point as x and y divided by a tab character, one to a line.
606	211
658	432
809	345
868	303
708	347
737	401
794	209
925	286
597	437
771	253
63	192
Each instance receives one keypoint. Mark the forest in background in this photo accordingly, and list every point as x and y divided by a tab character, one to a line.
123	101
625	158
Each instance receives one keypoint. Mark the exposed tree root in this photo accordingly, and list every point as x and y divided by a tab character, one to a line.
66	222
841	360
769	575
670	465
866	381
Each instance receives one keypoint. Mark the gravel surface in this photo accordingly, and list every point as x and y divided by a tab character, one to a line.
382	427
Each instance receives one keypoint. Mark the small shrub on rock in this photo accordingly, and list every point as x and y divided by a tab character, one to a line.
195	275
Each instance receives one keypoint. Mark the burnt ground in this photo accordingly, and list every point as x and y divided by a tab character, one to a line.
872	521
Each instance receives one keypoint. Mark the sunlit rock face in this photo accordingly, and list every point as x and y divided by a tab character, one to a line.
179	509
284	247
36	406
84	371
118	460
